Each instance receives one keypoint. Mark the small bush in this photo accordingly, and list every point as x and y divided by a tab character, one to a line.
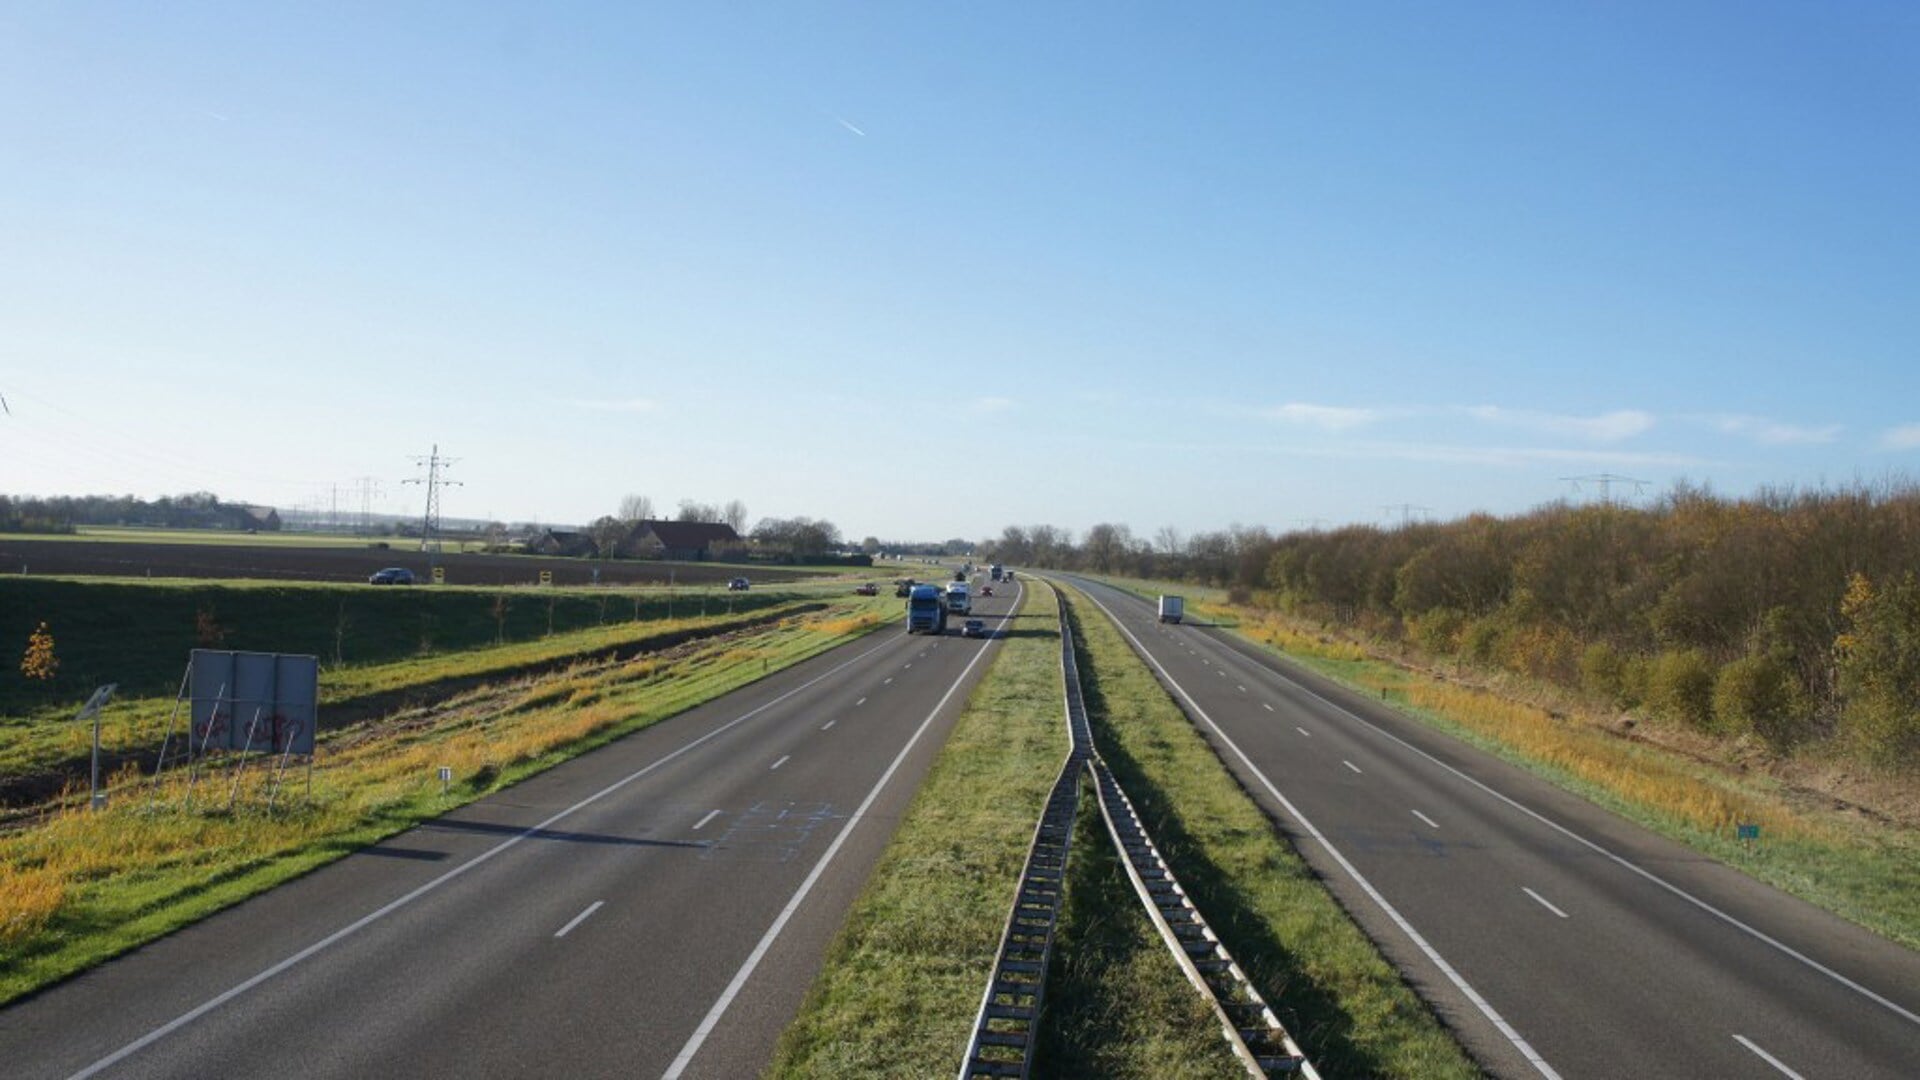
1603	672
1680	687
1437	631
1761	695
1480	640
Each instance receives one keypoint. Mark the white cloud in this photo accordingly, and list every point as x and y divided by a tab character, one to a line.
1325	417
1904	437
1604	427
1772	432
622	405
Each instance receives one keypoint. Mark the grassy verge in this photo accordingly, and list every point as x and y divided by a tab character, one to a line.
902	979
1342	1001
46	739
82	887
1861	870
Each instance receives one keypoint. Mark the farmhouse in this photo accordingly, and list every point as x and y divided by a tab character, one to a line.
555	542
686	540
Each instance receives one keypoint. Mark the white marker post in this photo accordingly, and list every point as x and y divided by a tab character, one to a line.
97	799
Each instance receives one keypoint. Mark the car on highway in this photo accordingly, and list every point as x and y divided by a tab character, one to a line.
868	589
392	575
986	590
973	628
738	584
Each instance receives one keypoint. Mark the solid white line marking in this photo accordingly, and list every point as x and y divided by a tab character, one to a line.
392	906
1426	819
1266	706
580	918
711	814
1533	1056
862	701
712	1020
1766	1057
1543	901
1350	765
784	758
1303	731
829	724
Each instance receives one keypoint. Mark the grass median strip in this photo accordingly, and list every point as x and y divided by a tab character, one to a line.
80	887
902	979
1337	995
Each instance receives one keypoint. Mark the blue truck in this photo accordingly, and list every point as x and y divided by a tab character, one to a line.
926	610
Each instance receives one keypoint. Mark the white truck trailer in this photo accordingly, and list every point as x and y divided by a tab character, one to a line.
1171	608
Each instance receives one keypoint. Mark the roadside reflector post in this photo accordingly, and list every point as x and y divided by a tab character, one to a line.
446	777
96	799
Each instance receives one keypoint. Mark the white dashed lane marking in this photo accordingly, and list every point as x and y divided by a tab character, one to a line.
578	919
1426	819
1543	901
1351	765
711	814
783	760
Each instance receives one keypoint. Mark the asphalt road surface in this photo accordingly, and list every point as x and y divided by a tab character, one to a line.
1556	938
655	908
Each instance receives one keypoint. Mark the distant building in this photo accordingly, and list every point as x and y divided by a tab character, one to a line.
555	542
690	541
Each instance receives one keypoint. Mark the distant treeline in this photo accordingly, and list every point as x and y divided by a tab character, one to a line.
62	513
1791	616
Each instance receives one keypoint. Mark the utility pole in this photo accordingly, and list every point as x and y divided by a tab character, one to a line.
369	490
1605	482
436	466
1406	511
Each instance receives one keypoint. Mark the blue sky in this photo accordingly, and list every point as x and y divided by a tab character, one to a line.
929	270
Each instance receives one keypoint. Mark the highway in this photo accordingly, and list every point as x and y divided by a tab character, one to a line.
655	908
1554	937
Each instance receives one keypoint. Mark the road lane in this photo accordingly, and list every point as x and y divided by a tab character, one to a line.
683	835
1656	966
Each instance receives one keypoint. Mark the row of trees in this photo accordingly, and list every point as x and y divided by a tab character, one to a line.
1793	616
61	513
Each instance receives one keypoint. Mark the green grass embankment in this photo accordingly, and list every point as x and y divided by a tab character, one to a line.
138	634
1341	1000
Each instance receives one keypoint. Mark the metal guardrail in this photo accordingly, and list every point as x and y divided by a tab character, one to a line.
1006	1028
1250	1026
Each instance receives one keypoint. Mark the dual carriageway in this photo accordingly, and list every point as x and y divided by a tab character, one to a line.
659	907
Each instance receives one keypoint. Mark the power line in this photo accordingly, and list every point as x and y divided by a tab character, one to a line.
435	466
1605	482
1406	511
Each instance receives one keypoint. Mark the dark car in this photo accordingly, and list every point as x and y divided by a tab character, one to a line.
738	584
986	590
973	628
869	589
392	575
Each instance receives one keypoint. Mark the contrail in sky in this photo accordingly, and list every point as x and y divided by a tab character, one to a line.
850	127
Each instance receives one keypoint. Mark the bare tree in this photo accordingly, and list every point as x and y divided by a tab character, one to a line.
697	511
1168	541
735	515
635	508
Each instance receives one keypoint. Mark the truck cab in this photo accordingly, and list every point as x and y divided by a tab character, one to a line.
926	610
959	598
